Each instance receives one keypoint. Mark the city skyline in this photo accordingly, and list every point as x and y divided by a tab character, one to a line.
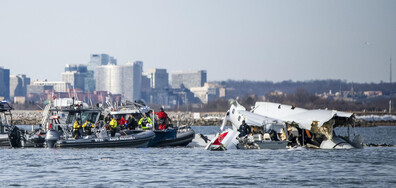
255	40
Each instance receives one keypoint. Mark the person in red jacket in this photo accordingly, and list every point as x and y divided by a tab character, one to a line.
121	122
162	116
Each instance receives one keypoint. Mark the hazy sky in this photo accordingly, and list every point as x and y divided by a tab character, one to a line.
247	39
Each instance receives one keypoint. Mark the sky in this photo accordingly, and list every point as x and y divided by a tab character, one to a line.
256	40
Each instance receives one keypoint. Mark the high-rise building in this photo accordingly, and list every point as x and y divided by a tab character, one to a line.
95	61
18	85
89	82
125	79
76	76
133	83
188	79
159	78
146	82
76	67
99	60
4	83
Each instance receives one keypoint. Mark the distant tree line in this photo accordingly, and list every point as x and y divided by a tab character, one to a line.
261	88
304	99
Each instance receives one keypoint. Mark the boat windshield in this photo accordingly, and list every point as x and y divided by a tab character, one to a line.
91	116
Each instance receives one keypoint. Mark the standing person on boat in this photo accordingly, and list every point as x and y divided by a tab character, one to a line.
76	129
113	126
107	121
132	124
144	121
244	129
162	116
87	127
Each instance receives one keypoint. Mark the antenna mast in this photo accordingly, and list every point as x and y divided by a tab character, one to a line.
390	81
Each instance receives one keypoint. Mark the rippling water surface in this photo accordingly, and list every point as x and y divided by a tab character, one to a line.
185	167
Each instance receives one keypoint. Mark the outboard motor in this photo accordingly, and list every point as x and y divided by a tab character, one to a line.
51	138
102	133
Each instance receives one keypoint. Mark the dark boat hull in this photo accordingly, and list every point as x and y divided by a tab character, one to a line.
139	140
172	138
168	138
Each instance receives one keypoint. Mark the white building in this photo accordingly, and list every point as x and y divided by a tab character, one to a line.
206	93
95	61
124	79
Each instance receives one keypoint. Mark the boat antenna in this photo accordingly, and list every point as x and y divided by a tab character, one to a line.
390	69
75	93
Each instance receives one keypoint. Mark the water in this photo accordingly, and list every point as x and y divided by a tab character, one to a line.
196	167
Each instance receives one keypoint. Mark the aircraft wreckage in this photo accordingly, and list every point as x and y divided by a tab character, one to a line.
279	126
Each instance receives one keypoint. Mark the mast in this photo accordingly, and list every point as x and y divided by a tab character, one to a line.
390	81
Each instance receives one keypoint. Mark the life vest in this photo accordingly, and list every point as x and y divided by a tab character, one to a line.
143	122
113	124
76	126
88	125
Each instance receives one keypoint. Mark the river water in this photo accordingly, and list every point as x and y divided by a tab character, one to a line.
196	167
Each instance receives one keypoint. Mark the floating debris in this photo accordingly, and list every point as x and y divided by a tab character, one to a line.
380	145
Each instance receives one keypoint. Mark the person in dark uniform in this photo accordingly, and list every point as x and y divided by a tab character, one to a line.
244	129
107	121
132	124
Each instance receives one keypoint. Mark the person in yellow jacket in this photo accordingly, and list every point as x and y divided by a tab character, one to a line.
113	126
87	127
144	121
76	129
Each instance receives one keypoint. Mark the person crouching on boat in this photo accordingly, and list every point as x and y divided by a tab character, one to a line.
144	122
87	127
113	126
162	116
76	129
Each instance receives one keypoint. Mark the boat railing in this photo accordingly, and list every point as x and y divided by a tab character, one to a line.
5	112
44	120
